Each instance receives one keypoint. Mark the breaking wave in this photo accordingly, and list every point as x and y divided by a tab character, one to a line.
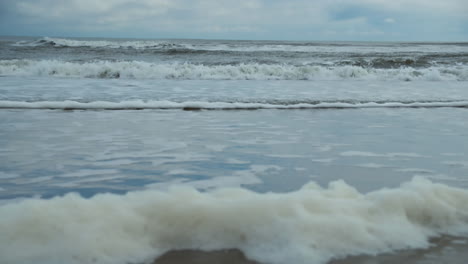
204	105
250	46
311	225
136	44
244	71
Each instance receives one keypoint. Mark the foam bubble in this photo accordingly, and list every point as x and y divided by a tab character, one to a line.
248	71
310	225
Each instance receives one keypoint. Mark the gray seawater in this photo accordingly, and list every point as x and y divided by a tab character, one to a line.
205	145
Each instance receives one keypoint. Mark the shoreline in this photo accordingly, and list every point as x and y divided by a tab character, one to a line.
443	249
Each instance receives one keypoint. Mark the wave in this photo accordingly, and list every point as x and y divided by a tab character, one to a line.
154	45
248	71
136	44
252	46
311	225
395	62
204	105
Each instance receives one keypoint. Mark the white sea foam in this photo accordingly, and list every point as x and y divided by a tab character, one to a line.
323	160
371	165
238	179
353	153
236	161
386	155
179	172
245	71
311	225
88	172
194	105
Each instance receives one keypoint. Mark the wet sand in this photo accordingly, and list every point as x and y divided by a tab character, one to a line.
228	256
445	249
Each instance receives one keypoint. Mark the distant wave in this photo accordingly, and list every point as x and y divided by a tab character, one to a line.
250	46
247	71
166	45
311	225
203	105
136	44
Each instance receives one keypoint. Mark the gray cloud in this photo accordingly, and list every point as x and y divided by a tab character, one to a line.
277	19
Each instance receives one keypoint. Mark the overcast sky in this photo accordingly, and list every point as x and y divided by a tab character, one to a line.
407	20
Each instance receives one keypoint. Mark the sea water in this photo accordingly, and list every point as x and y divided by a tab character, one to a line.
119	151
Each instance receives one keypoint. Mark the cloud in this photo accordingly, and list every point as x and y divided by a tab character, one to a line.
278	19
99	12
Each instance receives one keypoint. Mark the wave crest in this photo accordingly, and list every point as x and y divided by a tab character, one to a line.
129	44
249	71
310	225
255	46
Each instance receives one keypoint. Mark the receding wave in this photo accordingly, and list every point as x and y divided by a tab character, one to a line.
204	105
247	71
311	225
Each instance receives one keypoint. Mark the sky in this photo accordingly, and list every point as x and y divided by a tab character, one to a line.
353	20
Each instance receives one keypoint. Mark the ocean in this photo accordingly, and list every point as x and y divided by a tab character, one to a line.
128	151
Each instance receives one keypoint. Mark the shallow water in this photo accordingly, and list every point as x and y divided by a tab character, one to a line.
265	150
136	151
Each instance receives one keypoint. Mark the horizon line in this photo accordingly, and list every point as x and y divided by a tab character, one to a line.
233	39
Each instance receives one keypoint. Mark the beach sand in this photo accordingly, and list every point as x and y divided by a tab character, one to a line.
446	249
228	256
